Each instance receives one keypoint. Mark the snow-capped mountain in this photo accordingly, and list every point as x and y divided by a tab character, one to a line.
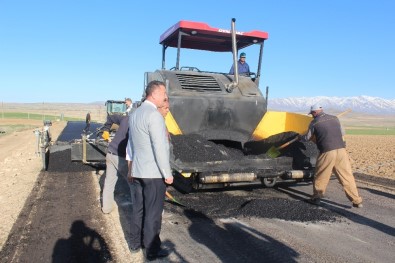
363	104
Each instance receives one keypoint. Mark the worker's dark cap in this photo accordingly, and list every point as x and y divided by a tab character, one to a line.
242	55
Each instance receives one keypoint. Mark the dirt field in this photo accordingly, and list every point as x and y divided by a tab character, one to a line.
19	166
372	154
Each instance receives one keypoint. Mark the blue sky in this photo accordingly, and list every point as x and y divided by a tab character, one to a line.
94	50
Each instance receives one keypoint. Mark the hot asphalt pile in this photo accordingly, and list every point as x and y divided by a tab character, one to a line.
298	150
260	203
262	146
195	148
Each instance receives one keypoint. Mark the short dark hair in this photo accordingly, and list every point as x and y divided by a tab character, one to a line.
153	85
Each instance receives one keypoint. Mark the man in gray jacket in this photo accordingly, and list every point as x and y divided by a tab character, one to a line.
150	171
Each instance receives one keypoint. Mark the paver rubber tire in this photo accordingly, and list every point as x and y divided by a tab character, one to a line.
269	182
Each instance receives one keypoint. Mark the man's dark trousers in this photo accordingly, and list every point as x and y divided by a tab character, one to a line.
148	196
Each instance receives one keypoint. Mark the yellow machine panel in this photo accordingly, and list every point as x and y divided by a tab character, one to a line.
172	125
275	122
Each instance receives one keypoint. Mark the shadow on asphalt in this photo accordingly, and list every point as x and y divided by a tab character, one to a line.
344	211
83	245
377	192
122	198
250	245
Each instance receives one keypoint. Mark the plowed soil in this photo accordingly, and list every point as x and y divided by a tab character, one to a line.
372	154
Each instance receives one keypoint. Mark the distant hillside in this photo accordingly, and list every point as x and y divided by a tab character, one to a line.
362	104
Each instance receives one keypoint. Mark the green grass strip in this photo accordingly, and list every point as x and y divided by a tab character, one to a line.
35	116
371	131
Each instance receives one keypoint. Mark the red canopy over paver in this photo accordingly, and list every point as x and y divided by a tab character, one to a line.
203	37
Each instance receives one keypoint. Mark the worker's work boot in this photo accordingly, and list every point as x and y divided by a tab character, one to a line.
360	205
106	210
314	201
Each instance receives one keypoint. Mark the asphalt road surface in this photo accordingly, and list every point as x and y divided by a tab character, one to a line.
62	222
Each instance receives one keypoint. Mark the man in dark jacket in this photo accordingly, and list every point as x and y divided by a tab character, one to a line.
242	66
116	163
328	134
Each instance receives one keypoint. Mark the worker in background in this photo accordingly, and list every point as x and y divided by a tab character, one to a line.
87	122
327	133
116	163
128	103
242	66
164	110
114	119
150	172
